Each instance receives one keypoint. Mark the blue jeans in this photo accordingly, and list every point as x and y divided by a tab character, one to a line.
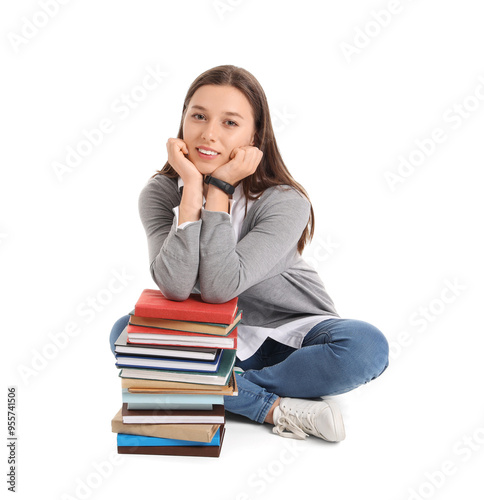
337	355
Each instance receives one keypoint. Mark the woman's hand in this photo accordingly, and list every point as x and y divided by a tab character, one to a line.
243	162
177	149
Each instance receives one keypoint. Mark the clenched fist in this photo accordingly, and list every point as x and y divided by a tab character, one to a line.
243	162
177	149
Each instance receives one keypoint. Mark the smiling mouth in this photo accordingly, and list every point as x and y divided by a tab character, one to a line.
207	152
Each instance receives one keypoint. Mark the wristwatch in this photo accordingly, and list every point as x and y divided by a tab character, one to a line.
224	186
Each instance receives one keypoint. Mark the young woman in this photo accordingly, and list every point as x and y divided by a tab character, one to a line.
244	238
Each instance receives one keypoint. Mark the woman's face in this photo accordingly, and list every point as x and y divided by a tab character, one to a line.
218	118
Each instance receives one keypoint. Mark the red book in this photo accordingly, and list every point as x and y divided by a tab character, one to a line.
153	304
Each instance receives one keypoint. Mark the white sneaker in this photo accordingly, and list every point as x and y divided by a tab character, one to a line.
302	417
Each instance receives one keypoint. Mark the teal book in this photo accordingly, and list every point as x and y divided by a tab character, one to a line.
137	440
165	399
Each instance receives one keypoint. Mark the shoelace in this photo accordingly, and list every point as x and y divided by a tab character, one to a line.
311	427
296	431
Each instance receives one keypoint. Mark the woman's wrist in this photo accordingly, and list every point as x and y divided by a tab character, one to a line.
193	182
217	200
225	176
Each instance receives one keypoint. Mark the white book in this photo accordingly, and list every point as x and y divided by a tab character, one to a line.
179	340
188	352
190	378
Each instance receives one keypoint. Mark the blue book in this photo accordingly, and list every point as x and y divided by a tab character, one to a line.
190	365
137	440
220	377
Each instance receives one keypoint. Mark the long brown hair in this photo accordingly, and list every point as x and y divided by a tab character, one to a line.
271	171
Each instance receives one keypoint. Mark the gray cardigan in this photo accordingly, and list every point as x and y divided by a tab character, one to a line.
263	269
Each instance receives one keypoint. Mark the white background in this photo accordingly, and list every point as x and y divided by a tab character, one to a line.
385	255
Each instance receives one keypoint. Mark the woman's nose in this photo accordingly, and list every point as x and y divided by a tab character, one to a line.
209	132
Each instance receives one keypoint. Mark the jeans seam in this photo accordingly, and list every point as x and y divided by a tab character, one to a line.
317	336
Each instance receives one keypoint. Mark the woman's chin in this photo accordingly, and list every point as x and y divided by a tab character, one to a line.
205	169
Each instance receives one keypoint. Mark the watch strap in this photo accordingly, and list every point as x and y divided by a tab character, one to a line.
224	186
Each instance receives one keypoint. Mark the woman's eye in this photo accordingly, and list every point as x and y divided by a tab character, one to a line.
199	116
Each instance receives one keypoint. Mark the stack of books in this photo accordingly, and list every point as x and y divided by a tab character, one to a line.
177	364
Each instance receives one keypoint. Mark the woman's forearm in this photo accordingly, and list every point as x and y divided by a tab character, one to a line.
173	255
191	201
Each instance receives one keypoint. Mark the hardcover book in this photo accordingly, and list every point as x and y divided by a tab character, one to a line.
191	365
121	346
151	336
186	326
214	416
135	385
153	304
221	377
193	451
189	432
170	406
139	440
212	399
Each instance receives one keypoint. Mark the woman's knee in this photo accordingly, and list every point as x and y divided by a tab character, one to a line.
373	347
365	347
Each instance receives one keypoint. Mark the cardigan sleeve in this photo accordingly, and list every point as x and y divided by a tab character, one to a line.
176	211
173	255
228	268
